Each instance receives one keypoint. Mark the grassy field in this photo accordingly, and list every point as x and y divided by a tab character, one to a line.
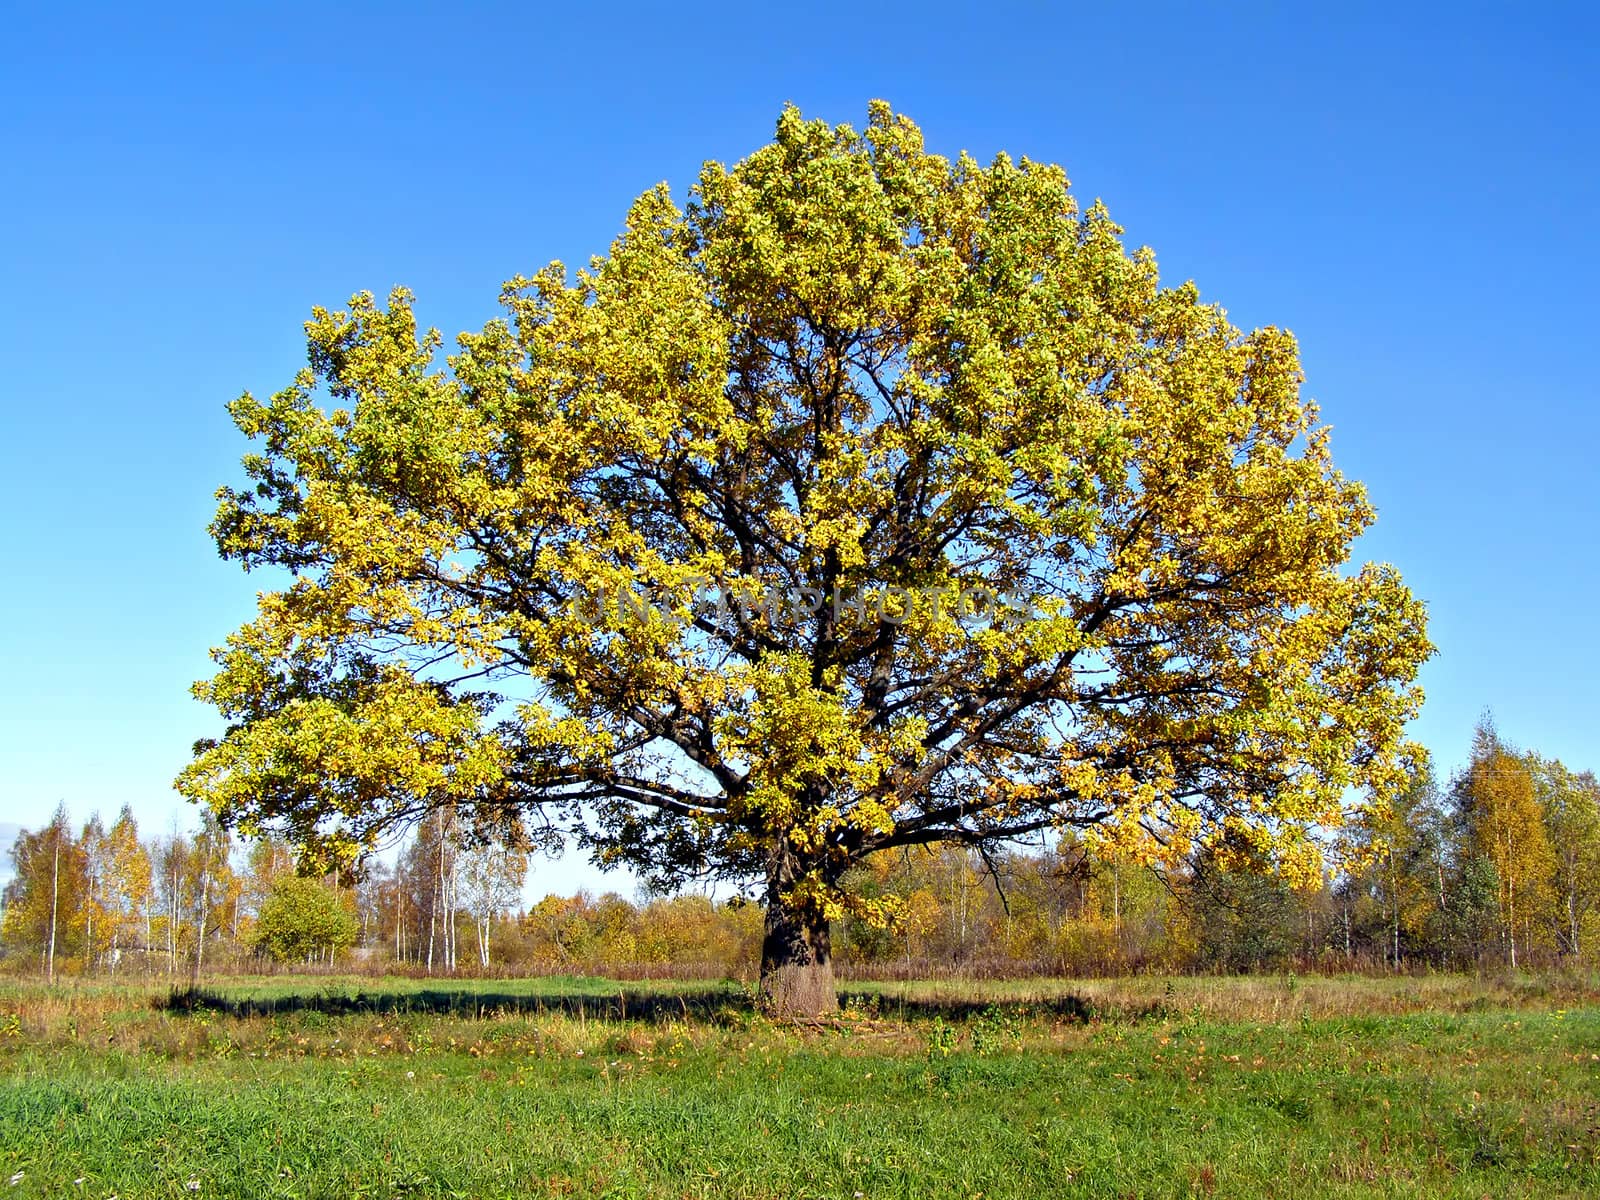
578	1087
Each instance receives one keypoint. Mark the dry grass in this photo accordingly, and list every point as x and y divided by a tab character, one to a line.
1264	999
351	1018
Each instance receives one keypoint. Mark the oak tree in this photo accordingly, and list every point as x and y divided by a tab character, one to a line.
869	499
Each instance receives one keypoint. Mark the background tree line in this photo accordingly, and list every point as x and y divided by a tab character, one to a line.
1499	866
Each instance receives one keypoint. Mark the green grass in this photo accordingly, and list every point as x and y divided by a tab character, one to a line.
1027	1098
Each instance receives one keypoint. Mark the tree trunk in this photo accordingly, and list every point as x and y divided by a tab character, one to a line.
796	963
55	893
433	919
1511	911
200	936
172	925
796	954
1394	903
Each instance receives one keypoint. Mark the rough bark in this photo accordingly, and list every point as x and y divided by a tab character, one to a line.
796	953
796	963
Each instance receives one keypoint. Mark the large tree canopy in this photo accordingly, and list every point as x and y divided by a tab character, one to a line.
853	392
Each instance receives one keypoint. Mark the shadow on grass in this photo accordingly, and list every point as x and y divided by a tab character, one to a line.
722	1005
623	1005
955	1009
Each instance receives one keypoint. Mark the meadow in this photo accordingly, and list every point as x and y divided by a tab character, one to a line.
1440	1086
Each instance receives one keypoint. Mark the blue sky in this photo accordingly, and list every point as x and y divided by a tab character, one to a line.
1411	191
